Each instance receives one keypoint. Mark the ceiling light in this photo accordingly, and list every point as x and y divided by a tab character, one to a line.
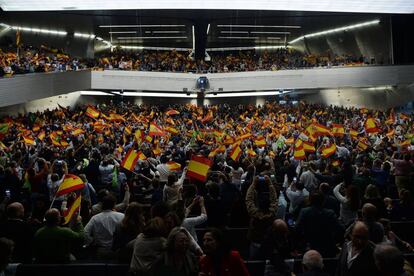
340	29
234	32
257	32
84	35
153	48
242	94
166	32
273	37
208	28
151	37
37	30
140	26
192	28
239	37
126	32
258	26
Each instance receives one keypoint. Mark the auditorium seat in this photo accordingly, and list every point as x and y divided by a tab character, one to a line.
404	230
86	269
255	267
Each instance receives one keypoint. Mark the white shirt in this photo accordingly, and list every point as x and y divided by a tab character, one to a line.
191	223
296	198
101	227
309	180
164	172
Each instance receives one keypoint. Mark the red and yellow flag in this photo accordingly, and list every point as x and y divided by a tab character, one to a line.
362	145
390	133
198	167
72	210
141	156
353	133
371	126
171	130
328	150
308	147
236	153
41	135
260	142
172	112
28	140
251	153
77	131
155	130
70	184
338	130
299	153
173	166
116	117
92	112
138	136
130	160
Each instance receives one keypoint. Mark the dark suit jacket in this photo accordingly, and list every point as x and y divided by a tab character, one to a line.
21	233
363	265
321	228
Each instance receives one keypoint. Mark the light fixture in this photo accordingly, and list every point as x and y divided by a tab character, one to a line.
340	29
239	37
91	36
153	48
193	31
260	32
140	94
208	28
150	37
353	6
260	26
242	94
166	32
273	37
125	32
141	26
234	32
37	30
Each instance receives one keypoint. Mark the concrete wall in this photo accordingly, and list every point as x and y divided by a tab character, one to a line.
315	78
23	88
380	99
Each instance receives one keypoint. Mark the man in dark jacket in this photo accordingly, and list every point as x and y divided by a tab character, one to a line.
19	231
357	257
319	226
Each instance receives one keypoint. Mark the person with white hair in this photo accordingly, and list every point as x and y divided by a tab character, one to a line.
312	263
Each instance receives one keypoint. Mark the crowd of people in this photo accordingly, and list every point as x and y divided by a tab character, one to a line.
37	60
46	59
226	61
135	184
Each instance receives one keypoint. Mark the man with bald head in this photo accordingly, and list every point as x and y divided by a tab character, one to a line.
19	231
277	247
357	257
53	243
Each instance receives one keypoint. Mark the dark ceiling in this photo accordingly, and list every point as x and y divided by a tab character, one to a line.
263	28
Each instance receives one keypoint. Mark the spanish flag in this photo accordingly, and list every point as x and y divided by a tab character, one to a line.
173	166
72	210
70	184
321	129
328	150
171	130
338	130
36	128
308	147
138	136
299	153
405	143
246	136
77	131
404	116
41	136
28	140
156	151
362	145
251	153
130	160
354	134
128	130
155	130
116	117
172	112
92	112
290	141
260	142
198	167
148	139
236	153
141	156
371	126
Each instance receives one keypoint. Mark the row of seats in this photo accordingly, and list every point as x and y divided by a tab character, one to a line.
256	268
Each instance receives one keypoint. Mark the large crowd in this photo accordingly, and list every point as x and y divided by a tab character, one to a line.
135	184
47	59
